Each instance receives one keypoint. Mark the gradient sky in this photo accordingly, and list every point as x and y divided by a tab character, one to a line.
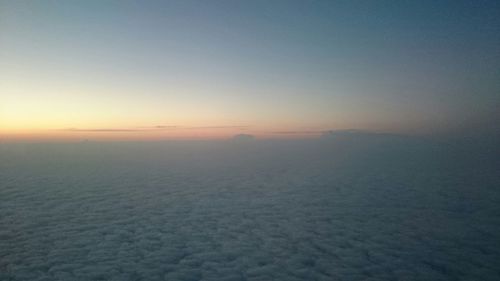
210	69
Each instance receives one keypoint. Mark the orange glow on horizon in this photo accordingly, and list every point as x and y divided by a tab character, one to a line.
151	134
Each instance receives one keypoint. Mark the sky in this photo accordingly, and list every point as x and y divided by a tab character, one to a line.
73	70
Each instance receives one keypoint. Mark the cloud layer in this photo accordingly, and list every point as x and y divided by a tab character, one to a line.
264	211
152	128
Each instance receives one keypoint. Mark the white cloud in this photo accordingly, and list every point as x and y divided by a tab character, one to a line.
288	211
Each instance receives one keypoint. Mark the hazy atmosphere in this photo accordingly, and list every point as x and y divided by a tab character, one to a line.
210	69
249	140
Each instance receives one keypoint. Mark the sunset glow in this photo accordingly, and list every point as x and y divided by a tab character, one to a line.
107	69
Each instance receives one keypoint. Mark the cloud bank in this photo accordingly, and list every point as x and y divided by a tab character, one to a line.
272	211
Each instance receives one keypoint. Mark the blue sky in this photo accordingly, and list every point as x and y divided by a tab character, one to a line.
407	66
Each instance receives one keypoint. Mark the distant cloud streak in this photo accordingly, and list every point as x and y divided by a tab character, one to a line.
218	127
102	130
297	132
152	128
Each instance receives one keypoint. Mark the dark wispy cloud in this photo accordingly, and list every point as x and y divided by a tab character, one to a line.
158	127
217	127
297	132
153	128
101	130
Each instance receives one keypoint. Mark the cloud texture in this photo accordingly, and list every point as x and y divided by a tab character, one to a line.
264	211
